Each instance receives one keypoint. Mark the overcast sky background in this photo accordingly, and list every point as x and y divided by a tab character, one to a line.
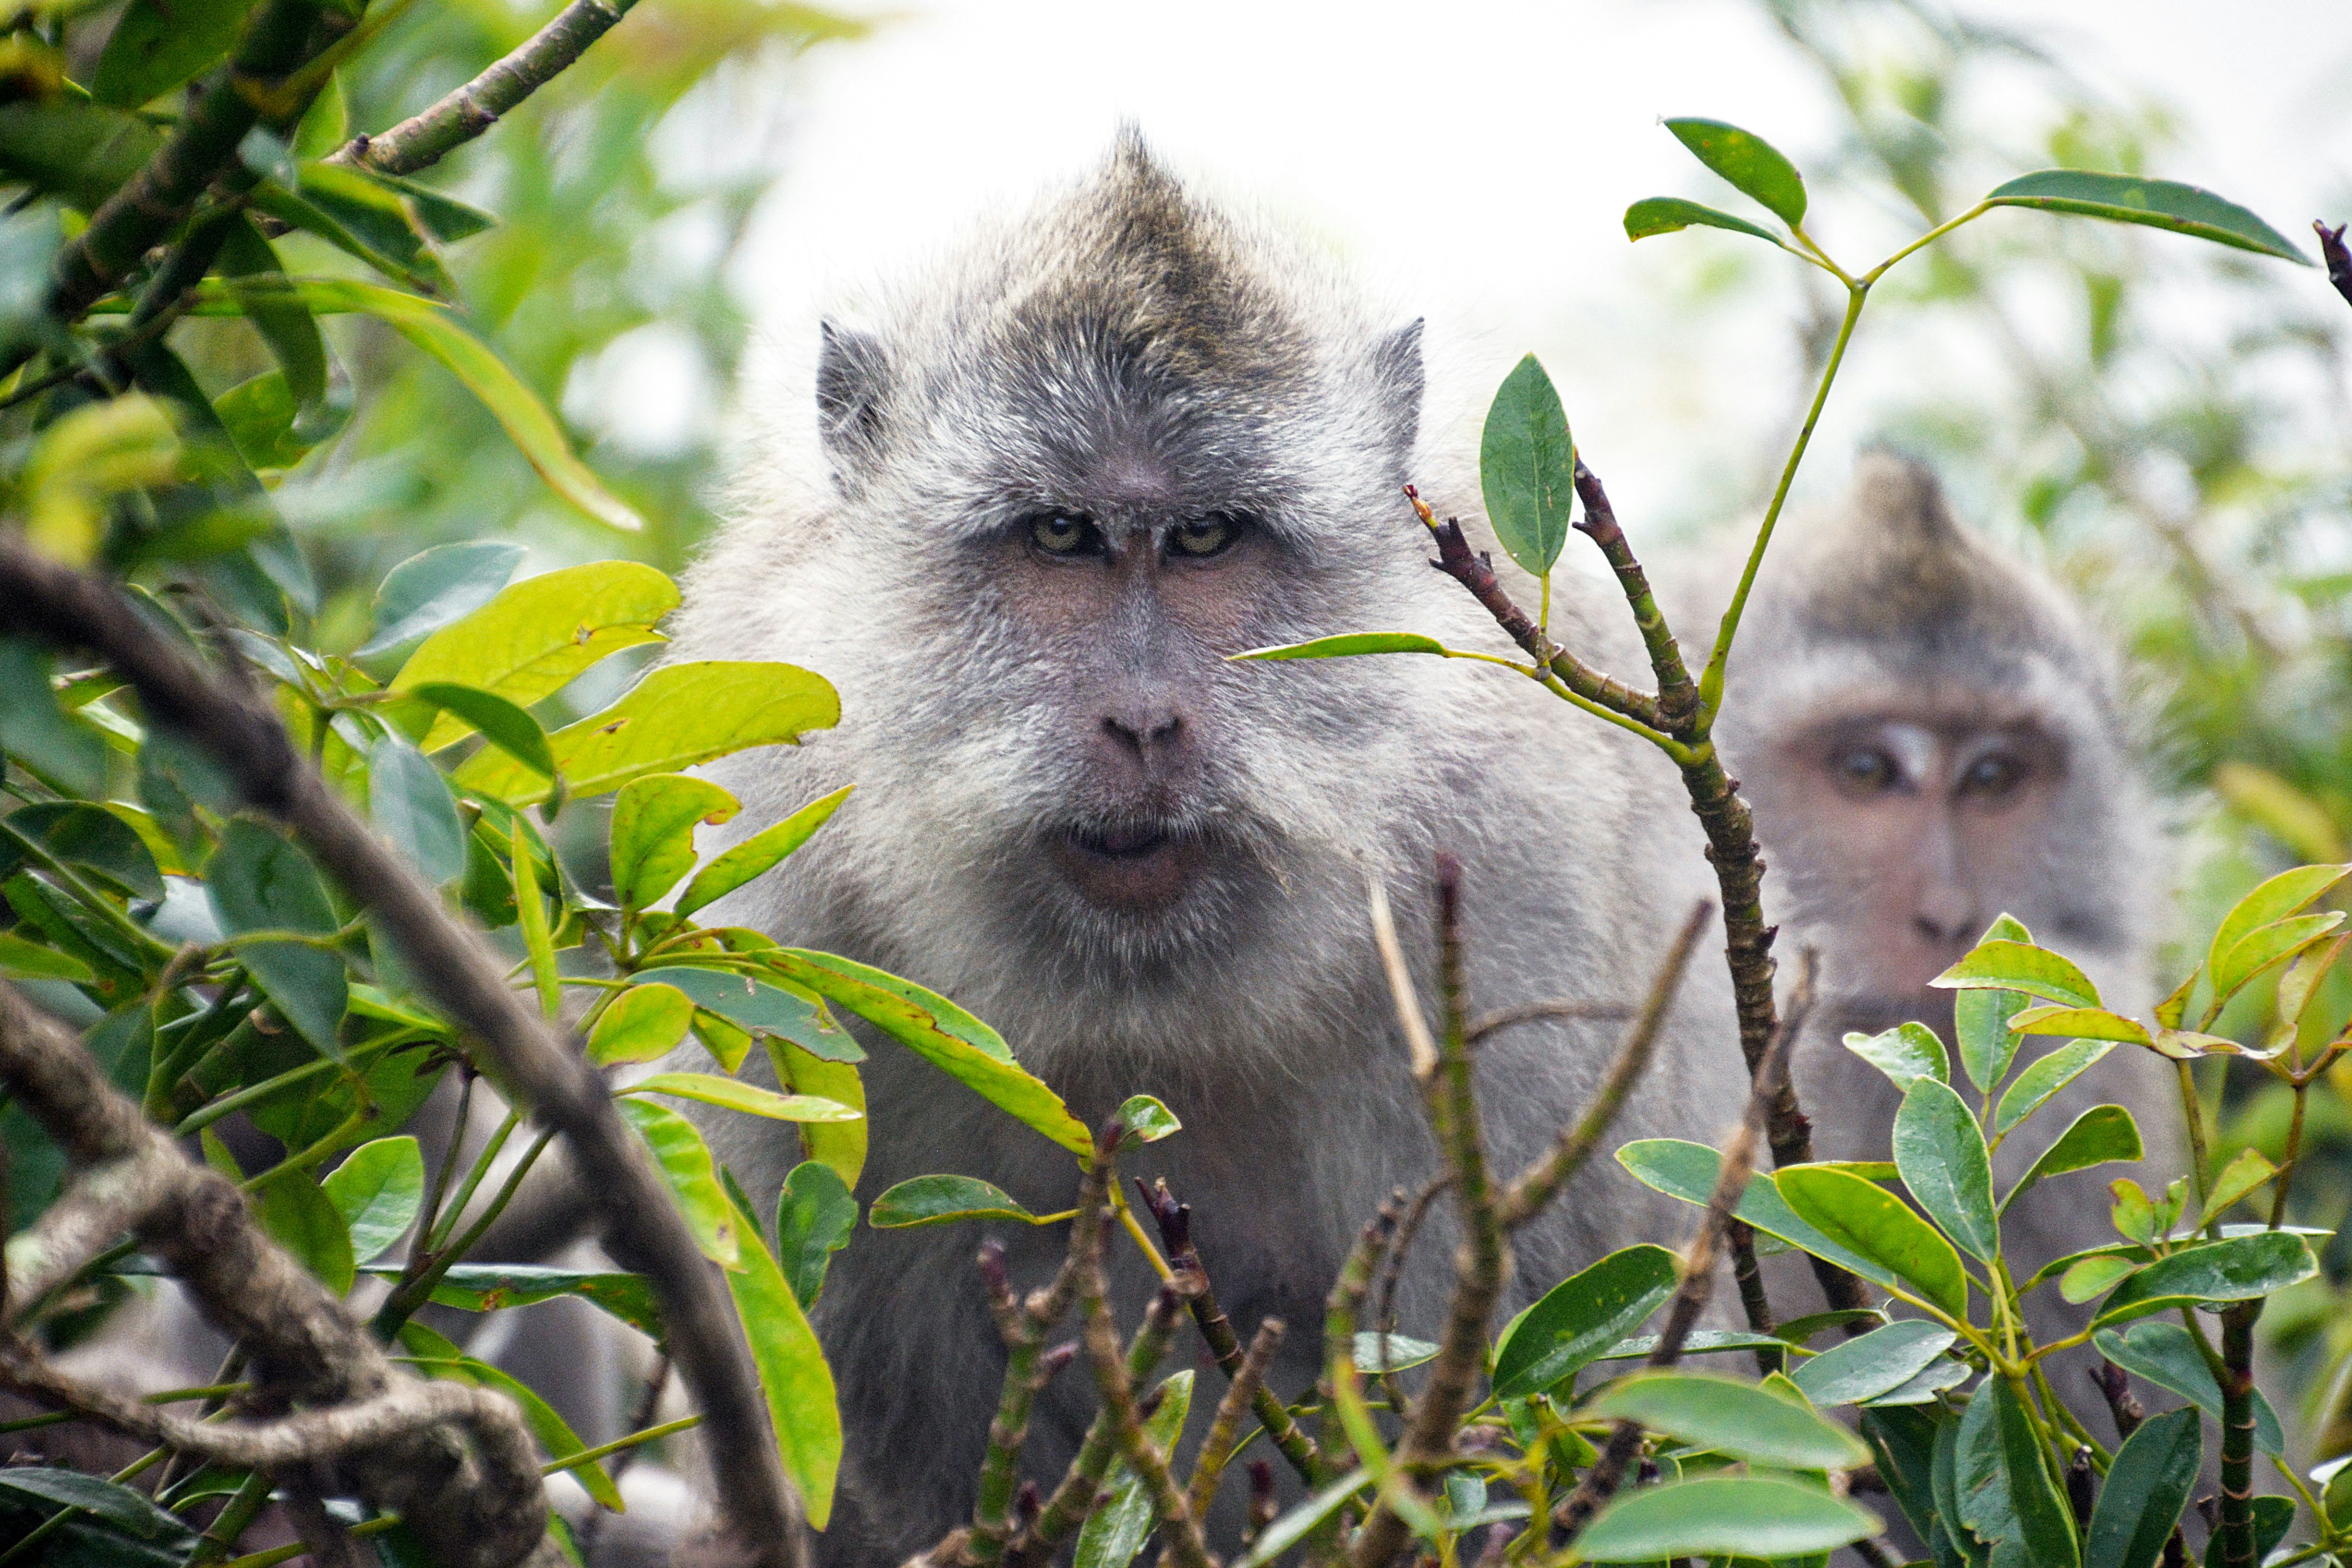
1474	160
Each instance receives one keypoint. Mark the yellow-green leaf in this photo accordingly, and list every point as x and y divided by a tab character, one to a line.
755	855
792	1372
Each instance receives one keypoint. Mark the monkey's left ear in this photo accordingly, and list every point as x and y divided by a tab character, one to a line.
1397	373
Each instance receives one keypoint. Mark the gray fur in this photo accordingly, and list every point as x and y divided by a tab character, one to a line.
1126	349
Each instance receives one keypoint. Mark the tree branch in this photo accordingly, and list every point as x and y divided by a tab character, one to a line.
482	1509
426	138
456	970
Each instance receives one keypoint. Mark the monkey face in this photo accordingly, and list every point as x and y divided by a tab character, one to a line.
1912	833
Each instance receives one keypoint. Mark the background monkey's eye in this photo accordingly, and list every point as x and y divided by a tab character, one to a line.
1205	536
1865	769
1058	533
1991	776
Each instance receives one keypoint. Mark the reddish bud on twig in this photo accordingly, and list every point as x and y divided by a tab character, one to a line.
1051	1362
991	1263
1028	1503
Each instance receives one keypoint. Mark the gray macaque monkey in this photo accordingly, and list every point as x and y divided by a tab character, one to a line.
1932	735
1038	497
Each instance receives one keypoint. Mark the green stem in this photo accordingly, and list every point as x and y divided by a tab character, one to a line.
2285	1178
1710	683
414	1294
1932	234
602	1450
2194	1109
2237	1530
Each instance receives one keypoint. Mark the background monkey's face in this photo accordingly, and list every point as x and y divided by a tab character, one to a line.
1918	827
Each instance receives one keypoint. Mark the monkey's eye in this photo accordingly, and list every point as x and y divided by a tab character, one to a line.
1866	769
1991	776
1203	537
1058	533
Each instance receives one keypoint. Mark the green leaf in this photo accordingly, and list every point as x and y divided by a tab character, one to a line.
2242	1175
1905	1054
1666	214
939	1199
500	722
1348	645
840	1147
2268	944
530	917
1378	1351
299	1217
685	1164
156	46
1747	1516
434	328
2009	966
1291	1528
2091	1023
1944	1478
2272	900
815	1217
2043	1077
118	1505
90	839
1698	1342
1688	1171
1869	1220
2097	1274
292	334
378	1189
1753	165
2099	1134
1943	1372
1981	1023
1940	1152
1527	469
1581	1318
763	1009
437	1357
759	852
2165	1355
2237	1270
1115	1531
677	716
2159	204
410	804
258	414
1904	1443
1877	1363
1726	1417
430	589
792	1374
654	821
534	637
747	1098
24	960
643	1022
443	215
2007	1498
1147	1121
259	882
77	148
493	1287
942	1034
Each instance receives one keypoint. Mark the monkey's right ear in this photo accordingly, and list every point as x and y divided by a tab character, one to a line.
1396	365
851	367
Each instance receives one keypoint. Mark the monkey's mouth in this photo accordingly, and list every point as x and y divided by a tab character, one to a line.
1130	866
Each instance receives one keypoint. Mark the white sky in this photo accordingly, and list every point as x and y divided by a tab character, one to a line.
1475	160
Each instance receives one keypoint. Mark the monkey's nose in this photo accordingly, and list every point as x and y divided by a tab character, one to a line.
1945	913
1145	733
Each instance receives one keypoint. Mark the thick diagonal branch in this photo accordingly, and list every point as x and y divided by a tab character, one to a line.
387	1433
457	971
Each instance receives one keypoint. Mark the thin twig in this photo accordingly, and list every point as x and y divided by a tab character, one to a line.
1175	1222
1501	1019
1217	1448
1482	1265
1023	1326
1420	1049
1539	1182
465	980
466	112
1177	1526
1602	1480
